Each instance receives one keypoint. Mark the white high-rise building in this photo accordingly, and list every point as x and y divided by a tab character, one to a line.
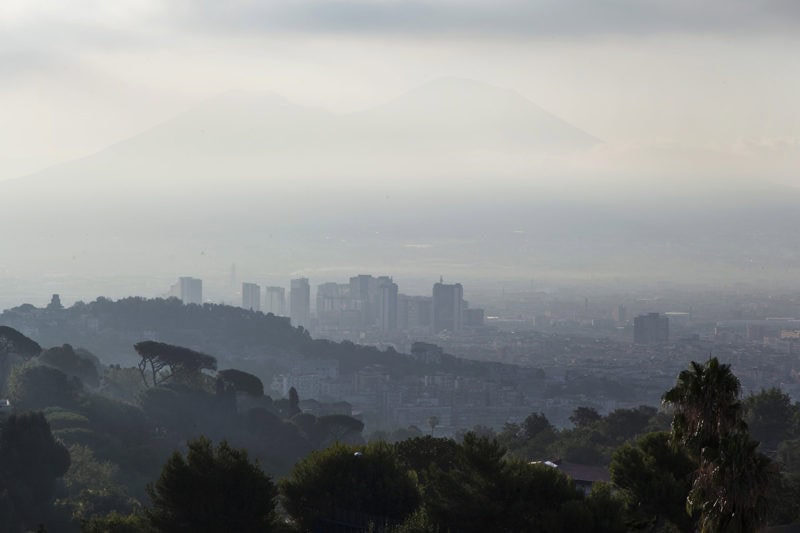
276	301
300	302
190	290
387	305
251	296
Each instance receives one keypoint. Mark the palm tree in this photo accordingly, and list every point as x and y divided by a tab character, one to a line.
732	485
706	405
732	480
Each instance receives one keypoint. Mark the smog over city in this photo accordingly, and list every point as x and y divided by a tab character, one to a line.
409	233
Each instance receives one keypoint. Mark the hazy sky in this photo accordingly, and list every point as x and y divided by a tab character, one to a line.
674	77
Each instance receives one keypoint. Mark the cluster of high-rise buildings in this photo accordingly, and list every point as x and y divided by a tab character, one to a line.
365	302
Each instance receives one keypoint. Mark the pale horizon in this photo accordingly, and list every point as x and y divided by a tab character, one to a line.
664	81
562	140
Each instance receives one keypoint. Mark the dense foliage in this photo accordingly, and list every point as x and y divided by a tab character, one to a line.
14	342
732	481
161	362
212	490
243	382
31	461
356	485
98	437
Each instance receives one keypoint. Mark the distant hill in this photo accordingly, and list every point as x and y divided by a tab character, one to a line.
263	138
453	114
261	343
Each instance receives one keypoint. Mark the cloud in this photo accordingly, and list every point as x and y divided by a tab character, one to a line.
94	25
509	18
53	28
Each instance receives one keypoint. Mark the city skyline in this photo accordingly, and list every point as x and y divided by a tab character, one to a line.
369	301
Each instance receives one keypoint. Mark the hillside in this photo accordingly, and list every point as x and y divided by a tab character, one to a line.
253	341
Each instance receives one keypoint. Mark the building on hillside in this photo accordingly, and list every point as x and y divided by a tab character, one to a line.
414	312
364	293
251	296
333	303
448	306
190	290
300	302
387	305
584	476
276	301
55	303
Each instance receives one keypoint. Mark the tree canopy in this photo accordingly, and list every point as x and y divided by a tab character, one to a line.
242	381
483	491
731	485
351	485
655	478
706	403
37	386
72	362
12	341
180	361
770	416
211	490
30	462
584	417
534	424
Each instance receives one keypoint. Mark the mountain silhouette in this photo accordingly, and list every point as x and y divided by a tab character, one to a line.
263	137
